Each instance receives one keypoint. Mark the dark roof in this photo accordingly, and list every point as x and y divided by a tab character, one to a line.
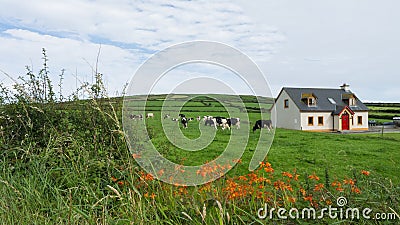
323	103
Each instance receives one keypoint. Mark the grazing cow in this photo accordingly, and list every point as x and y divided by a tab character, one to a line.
184	122
182	115
136	117
263	124
166	116
207	118
198	118
234	122
191	119
221	121
175	120
150	115
209	122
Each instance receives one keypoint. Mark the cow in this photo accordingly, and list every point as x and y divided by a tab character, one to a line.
234	122
198	118
207	118
150	115
191	119
184	122
220	121
175	120
263	124
166	116
136	117
181	115
209	122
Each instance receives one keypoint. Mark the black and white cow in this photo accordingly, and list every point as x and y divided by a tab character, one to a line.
222	122
174	120
263	124
207	118
198	118
136	117
181	115
234	122
184	122
209	122
167	116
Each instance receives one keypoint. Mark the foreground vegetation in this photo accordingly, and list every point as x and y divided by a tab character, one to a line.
65	161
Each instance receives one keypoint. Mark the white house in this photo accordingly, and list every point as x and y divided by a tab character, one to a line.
319	109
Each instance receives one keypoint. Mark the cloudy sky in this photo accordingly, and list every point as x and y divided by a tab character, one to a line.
295	43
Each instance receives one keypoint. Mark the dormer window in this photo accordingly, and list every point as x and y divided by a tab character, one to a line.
349	99
309	99
352	101
311	102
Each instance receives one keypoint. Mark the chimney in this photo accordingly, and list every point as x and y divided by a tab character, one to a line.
345	87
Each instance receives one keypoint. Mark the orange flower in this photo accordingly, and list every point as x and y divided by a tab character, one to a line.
265	164
150	196
242	178
364	172
160	172
328	202
136	156
318	187
269	169
114	179
205	187
286	174
313	177
303	191
339	189
146	176
280	185
308	198
182	190
349	181
356	190
291	199
120	183
338	186
237	160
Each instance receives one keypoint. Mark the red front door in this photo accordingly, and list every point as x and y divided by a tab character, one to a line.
345	121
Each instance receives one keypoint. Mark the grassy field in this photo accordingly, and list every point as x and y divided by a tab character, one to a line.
383	112
83	173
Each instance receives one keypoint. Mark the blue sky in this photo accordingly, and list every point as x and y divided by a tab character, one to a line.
295	43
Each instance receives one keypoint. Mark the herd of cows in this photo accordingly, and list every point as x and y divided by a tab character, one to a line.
218	121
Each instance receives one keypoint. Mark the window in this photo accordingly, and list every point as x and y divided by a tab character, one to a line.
332	101
359	119
320	120
311	101
286	103
310	121
352	101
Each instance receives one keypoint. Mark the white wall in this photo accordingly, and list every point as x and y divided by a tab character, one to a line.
288	118
327	118
364	120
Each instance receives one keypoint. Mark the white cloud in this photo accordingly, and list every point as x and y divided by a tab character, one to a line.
23	47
